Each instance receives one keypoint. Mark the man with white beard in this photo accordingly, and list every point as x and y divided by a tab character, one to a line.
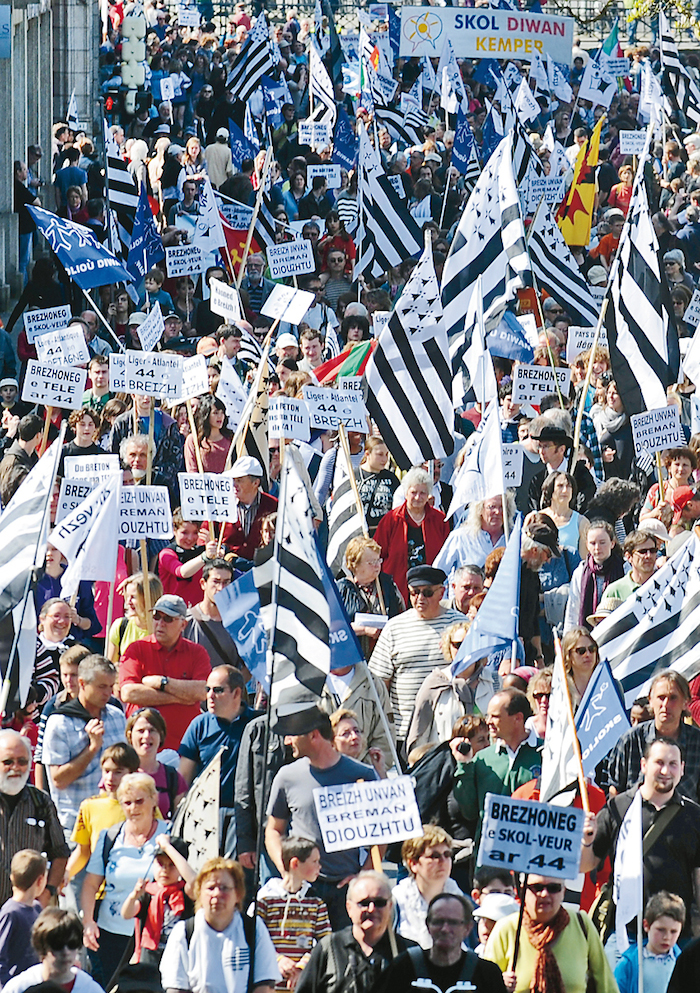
28	818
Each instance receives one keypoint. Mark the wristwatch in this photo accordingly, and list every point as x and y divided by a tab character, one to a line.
163	683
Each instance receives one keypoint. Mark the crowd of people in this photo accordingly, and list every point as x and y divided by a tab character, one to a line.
135	691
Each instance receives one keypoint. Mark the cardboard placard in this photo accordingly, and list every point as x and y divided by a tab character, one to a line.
287	304
346	383
581	339
54	385
224	301
151	331
207	496
632	142
144	512
513	465
237	214
531	837
153	374
117	366
692	313
597	292
184	260
357	815
167	89
71	494
657	429
532	382
64	347
314	134
328	409
38	322
617	67
380	319
90	466
397	183
551	188
291	258
187	18
195	381
330	172
288	418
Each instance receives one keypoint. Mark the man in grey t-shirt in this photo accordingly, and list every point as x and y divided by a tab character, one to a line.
291	807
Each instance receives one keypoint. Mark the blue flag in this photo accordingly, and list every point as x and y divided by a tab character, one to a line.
239	605
463	143
601	719
394	31
508	340
490	136
85	260
241	148
344	141
496	623
485	70
146	246
250	129
345	648
273	97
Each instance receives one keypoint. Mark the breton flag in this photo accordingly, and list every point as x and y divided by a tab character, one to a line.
72	119
298	619
395	123
642	333
658	627
480	476
321	90
197	817
559	764
408	376
556	269
490	242
24	528
254	61
122	191
89	537
346	520
628	872
681	92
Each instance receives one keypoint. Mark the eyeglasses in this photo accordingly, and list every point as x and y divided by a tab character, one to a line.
56	945
426	594
376	901
456	644
587	650
216	690
158	616
545	887
645	551
541	696
438	856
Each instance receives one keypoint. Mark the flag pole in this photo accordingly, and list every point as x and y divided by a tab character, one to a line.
48	414
587	383
143	548
254	218
197	453
102	318
577	747
519	928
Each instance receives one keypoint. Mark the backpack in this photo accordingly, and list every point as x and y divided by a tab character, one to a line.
420	964
248	932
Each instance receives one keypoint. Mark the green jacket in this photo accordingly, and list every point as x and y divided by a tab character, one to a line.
489	773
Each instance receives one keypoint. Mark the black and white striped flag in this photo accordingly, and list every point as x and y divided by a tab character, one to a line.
681	92
489	242
658	627
473	170
409	380
556	269
321	90
397	124
298	623
345	520
254	61
642	333
123	194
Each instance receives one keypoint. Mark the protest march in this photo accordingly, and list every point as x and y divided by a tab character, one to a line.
350	507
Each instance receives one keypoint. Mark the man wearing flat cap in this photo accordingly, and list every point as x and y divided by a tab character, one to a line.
553	433
408	649
291	808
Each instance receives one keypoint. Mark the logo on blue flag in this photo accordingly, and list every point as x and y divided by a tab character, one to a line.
146	246
601	719
274	96
85	260
344	141
239	605
463	142
241	148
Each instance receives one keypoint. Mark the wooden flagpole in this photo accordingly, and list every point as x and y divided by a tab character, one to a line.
577	747
254	218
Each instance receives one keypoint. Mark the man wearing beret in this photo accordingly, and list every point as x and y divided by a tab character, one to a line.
408	649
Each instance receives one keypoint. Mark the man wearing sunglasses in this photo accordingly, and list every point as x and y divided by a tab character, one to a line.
166	671
640	550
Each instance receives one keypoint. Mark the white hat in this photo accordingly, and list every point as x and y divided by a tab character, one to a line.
495	906
222	133
286	340
138	317
597	275
655	528
245	466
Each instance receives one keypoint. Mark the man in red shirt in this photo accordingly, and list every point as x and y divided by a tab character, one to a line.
243	537
166	670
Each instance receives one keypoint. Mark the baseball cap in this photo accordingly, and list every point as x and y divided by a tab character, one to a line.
206	346
287	340
222	133
680	498
495	906
172	605
597	275
650	526
245	466
138	317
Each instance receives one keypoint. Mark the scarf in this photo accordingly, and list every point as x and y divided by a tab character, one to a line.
610	570
175	896
546	978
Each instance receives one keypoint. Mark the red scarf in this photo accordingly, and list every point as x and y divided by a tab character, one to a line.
546	977
175	896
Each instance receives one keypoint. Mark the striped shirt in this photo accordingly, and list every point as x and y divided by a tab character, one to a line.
296	921
407	650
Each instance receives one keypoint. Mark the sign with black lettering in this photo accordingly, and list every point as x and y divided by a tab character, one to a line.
207	496
580	339
89	467
513	464
144	512
357	815
72	493
184	260
117	365
64	347
288	418
531	837
154	374
38	322
54	385
328	409
287	304
224	301
657	429
195	380
532	382
291	258
329	171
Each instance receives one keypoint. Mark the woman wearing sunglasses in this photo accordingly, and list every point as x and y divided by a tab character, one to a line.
429	863
580	655
559	952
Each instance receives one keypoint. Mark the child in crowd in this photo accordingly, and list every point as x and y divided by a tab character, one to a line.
153	282
17	915
641	711
296	921
180	564
161	904
491	909
664	916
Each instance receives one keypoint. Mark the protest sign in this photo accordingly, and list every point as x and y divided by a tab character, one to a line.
288	418
692	313
513	464
547	188
64	347
38	322
619	67
312	133
287	304
657	429
397	183
237	214
195	380
153	374
345	383
72	493
144	512
187	18
632	142
207	496
597	292
380	319
167	88
357	815
498	34
331	408
330	172
532	382
581	339
151	331
291	258
230	391
184	260
531	837
224	301
54	385
117	366
88	467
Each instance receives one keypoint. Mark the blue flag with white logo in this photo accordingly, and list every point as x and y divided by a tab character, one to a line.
463	142
484	71
146	246
274	96
85	260
239	606
491	135
345	648
241	148
394	31
508	340
344	141
601	719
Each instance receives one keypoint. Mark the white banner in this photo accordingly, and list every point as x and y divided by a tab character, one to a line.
64	347
90	466
151	331
153	374
513	464
358	815
38	322
54	385
314	134
224	301
580	339
144	512
195	380
287	304
632	142
330	408
207	496
657	429
117	366
331	173
72	493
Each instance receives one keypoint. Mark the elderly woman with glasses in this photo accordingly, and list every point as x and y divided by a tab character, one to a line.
428	859
359	590
559	952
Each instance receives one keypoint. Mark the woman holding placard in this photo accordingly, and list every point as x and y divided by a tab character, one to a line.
213	436
680	464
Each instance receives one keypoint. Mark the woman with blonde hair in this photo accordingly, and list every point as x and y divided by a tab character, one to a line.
359	593
428	859
134	625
